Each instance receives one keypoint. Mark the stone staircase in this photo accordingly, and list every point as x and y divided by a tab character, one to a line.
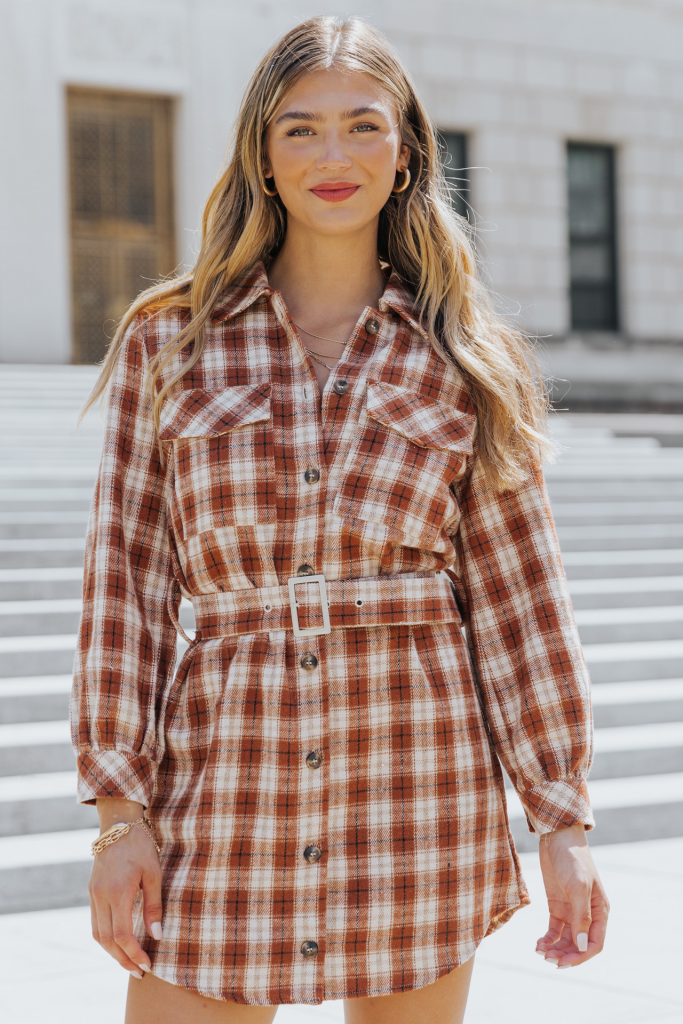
618	504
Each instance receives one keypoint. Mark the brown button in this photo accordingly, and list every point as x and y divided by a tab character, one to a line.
372	325
340	387
305	570
310	948
311	476
309	661
314	759
312	854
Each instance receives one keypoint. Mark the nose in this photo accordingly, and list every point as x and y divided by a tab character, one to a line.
332	156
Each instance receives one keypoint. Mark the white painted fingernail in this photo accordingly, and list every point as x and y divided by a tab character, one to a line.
143	967
155	930
582	942
135	974
541	952
552	960
561	967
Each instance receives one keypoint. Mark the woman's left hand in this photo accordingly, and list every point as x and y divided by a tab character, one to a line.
577	901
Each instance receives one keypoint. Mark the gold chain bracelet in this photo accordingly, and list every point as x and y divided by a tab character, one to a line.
121	829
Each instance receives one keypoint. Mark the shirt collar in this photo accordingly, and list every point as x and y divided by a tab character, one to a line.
242	294
397	296
253	284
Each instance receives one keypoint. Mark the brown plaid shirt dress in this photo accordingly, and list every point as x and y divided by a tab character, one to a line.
330	806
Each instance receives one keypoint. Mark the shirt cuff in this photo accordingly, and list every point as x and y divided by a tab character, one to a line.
550	806
115	773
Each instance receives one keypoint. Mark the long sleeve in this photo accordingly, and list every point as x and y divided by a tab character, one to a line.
525	645
127	642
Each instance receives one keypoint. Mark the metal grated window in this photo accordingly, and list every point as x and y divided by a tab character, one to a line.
122	237
454	156
592	237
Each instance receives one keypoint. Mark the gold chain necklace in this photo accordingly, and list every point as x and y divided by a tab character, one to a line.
317	358
318	336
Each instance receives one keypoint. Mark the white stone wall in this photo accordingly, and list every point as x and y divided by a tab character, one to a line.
520	76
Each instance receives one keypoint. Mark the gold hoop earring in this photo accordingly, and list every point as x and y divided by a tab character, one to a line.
405	184
267	191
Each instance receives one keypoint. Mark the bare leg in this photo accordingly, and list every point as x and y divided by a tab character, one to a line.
443	1002
153	1001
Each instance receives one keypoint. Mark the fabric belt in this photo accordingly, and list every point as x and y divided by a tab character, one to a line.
375	601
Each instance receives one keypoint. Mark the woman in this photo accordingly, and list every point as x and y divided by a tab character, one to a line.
325	439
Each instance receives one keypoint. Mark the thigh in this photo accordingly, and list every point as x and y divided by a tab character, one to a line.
153	1001
443	1002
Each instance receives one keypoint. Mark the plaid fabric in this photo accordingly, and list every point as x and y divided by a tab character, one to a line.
380	755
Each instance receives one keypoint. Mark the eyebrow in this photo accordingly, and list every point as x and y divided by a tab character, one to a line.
298	115
348	115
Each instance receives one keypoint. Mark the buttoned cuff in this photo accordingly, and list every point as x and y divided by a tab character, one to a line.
115	773
550	806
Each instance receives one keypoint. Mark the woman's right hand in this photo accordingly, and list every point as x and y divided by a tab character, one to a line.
119	872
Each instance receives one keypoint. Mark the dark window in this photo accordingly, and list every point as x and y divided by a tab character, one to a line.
120	161
592	237
454	156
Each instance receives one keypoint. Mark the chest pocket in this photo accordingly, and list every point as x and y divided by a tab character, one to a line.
409	452
222	455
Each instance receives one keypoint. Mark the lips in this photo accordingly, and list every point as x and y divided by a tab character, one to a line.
335	191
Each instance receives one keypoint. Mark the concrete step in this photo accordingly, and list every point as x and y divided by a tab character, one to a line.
607	513
40	474
584	490
618	470
19	618
46	870
42	802
620	536
35	583
641	702
37	655
614	625
627	750
13	499
27	524
603	564
627	661
626	592
36	698
42	553
27	748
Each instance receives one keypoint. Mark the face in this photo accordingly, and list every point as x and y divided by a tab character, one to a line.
333	149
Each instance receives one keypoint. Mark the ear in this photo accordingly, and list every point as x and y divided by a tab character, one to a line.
403	158
267	169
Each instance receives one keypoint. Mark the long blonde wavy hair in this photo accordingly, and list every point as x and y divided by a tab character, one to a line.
420	236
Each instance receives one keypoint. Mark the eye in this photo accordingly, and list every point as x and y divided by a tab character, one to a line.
300	133
365	128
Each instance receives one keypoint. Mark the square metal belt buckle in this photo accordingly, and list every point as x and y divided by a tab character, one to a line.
298	581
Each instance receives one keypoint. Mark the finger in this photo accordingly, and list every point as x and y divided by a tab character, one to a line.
124	937
93	916
553	935
598	929
151	895
105	930
580	916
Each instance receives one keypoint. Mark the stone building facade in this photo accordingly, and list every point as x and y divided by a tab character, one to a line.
569	115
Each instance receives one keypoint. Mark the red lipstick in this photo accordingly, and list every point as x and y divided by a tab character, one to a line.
335	191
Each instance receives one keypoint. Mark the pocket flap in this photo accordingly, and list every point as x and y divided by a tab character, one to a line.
200	413
427	423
